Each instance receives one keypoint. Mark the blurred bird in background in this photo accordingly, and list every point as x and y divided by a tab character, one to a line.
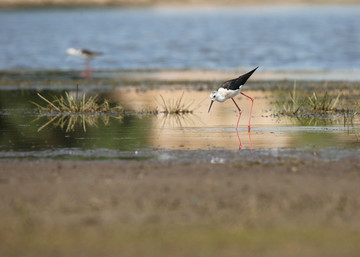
87	55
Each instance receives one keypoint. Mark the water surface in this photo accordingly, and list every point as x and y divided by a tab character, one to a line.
310	38
25	133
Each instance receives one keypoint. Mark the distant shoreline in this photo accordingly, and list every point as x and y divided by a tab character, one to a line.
18	4
183	75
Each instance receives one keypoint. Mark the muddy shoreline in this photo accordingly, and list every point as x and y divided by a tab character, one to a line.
109	208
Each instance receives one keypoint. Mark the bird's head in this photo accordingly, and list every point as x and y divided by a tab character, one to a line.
212	97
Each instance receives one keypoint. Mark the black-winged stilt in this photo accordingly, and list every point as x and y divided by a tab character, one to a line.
87	55
230	89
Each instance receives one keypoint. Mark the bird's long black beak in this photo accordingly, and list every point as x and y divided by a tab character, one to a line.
210	105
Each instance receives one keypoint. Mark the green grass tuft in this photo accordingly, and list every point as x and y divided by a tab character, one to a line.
292	106
315	104
323	104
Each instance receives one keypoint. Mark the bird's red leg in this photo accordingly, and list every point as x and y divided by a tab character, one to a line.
86	73
240	145
252	102
250	140
88	70
239	113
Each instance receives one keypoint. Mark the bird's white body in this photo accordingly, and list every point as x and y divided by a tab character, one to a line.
223	94
76	52
85	54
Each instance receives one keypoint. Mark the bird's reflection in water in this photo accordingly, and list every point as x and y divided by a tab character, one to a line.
240	144
70	123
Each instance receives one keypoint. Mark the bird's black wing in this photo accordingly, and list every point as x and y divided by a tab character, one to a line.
235	84
85	51
88	52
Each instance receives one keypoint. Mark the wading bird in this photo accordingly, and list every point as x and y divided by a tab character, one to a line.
230	89
87	55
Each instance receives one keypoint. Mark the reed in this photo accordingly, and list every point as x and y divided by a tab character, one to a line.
293	105
315	104
177	106
324	103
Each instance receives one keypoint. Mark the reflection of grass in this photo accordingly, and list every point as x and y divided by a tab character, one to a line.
349	117
71	104
179	120
311	120
70	123
314	121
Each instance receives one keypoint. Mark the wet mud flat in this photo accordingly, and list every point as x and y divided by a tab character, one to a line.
268	206
142	186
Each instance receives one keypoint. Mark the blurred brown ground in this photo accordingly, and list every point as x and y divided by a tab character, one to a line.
115	208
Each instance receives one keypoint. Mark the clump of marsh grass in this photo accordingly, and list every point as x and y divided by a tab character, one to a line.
71	111
309	105
177	106
292	106
73	104
177	112
323	104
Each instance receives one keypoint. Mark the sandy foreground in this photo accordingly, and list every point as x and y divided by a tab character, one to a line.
128	208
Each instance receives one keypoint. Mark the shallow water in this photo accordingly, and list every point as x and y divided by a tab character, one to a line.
311	38
25	134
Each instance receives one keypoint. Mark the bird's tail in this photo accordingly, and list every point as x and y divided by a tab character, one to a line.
243	78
